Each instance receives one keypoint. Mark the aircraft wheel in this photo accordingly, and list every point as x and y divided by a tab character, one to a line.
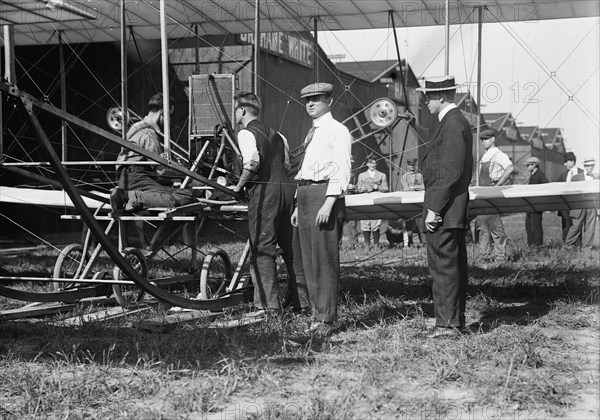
215	275
69	265
125	294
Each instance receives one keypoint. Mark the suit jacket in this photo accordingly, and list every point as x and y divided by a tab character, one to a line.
447	166
379	179
539	177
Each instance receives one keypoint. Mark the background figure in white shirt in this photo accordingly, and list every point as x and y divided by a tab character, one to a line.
369	181
571	170
583	221
495	169
320	210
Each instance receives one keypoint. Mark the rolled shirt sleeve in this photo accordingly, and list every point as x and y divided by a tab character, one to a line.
249	150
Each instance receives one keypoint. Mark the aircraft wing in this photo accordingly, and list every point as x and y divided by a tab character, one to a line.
483	200
41	197
37	22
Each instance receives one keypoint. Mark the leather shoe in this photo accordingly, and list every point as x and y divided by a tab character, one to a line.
118	198
441	332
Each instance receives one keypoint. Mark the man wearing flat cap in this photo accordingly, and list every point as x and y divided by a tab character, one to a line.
447	168
495	169
143	186
323	176
533	221
583	221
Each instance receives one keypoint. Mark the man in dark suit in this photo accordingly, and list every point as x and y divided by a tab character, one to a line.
566	176
447	166
533	221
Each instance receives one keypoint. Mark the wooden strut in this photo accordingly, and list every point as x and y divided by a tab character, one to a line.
98	232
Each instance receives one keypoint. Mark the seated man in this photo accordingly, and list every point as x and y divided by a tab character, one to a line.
141	186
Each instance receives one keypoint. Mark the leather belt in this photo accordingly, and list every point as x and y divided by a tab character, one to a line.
306	182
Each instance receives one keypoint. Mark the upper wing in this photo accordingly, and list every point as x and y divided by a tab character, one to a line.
37	22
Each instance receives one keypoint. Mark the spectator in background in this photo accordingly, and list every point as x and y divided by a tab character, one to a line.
572	170
351	226
495	169
369	181
533	221
412	180
583	221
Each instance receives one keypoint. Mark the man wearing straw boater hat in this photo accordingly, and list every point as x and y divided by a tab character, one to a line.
447	166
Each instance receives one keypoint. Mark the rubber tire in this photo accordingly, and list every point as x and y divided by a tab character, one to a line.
66	265
126	295
215	275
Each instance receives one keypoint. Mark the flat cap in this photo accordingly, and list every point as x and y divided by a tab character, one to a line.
487	134
533	160
589	161
317	89
411	162
570	156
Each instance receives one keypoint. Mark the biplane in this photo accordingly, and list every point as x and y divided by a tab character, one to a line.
209	146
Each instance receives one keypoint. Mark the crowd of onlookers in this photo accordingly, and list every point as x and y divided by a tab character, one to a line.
495	168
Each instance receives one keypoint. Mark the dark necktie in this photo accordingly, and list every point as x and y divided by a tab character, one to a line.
307	141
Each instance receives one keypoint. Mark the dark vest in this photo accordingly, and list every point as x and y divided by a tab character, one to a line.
271	150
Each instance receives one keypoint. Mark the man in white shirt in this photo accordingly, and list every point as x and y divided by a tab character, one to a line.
369	181
320	211
583	221
495	169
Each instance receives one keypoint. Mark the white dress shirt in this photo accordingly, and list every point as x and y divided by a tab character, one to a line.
328	156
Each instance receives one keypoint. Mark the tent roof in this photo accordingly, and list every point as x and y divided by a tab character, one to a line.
36	21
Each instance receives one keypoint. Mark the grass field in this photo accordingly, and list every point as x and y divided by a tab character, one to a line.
534	353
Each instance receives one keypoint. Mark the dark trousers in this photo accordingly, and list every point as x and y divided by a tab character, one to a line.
320	250
533	227
269	222
447	260
565	221
149	192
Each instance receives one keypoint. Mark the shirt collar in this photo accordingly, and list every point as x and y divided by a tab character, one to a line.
442	114
323	119
152	124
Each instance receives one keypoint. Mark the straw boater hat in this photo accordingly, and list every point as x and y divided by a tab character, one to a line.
437	84
589	161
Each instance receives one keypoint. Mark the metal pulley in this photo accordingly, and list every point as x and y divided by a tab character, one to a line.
383	112
114	118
